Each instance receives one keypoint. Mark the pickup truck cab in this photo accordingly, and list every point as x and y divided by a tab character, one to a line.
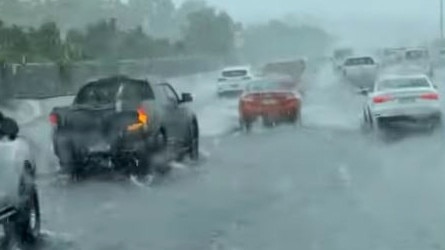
121	123
360	71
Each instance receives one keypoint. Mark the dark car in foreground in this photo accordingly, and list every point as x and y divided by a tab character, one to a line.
121	123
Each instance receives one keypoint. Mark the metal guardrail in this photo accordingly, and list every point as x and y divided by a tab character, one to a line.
40	81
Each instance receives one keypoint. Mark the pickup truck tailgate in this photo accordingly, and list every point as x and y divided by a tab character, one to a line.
92	126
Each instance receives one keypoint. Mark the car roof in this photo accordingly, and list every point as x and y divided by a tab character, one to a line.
151	80
416	49
240	67
358	57
286	60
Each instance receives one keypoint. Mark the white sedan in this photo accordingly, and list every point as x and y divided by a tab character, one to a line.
410	98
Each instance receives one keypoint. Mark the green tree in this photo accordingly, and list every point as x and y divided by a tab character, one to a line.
74	45
277	39
135	44
209	32
188	7
14	44
47	42
102	39
155	16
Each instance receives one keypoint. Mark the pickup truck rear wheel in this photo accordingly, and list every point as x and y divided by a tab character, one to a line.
161	162
194	142
141	166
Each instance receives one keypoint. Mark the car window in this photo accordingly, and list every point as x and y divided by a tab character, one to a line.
416	54
359	61
96	94
160	94
403	83
234	73
170	94
108	91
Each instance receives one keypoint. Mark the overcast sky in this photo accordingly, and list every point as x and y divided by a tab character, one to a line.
249	10
368	20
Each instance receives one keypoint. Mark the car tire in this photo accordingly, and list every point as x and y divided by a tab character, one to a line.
436	125
193	147
293	117
246	124
381	130
161	167
268	122
139	166
75	170
367	124
24	226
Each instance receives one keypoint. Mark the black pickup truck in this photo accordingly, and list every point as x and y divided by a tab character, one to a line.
121	123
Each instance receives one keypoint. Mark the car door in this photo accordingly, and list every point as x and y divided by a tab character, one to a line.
175	114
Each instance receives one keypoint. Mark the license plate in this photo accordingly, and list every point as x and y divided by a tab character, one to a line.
99	148
269	102
407	100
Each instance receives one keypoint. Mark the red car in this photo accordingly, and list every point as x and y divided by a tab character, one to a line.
270	100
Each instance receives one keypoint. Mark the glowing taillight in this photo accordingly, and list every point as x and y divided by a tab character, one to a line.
142	115
430	96
382	99
142	120
53	119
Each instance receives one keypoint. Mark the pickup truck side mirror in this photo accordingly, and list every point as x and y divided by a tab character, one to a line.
186	97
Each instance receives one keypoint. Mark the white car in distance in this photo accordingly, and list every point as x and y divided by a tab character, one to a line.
361	71
402	98
417	60
233	80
